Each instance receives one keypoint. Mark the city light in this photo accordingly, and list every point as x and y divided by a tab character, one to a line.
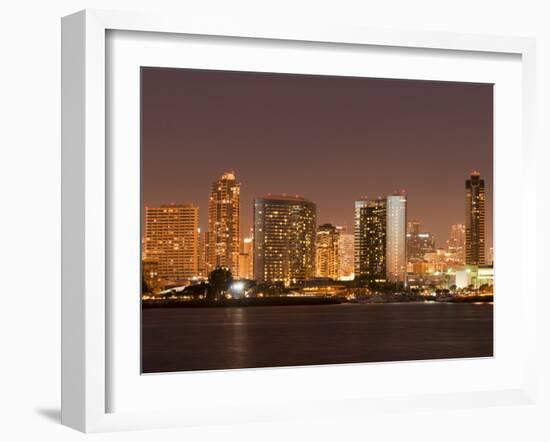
237	287
384	248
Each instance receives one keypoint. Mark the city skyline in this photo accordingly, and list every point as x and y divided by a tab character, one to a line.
428	137
290	245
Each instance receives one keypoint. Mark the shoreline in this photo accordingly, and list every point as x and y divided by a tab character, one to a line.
298	301
244	302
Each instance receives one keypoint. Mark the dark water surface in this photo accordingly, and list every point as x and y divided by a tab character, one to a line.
178	339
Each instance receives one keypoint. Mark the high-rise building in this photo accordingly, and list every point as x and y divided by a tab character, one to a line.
284	239
327	259
202	254
396	238
413	226
370	239
418	243
171	238
346	254
246	259
475	220
456	244
224	223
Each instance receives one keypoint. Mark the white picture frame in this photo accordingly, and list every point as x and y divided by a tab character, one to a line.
86	353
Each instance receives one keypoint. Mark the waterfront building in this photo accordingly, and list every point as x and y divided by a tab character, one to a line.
171	238
475	220
396	238
150	272
246	259
429	282
346	254
370	239
456	244
475	276
418	243
284	239
224	223
323	287
201	259
327	258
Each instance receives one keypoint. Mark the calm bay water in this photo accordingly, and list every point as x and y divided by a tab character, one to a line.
178	339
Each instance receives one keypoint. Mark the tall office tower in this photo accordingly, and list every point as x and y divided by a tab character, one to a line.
327	257
284	239
223	223
475	220
207	267
346	254
171	237
456	244
246	257
202	269
418	243
370	239
396	239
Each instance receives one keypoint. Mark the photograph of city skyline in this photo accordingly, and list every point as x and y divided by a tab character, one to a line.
292	220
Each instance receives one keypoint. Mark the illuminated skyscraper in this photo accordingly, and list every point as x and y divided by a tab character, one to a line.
246	259
346	254
456	244
284	239
418	243
224	223
327	260
370	239
475	220
396	239
202	254
171	239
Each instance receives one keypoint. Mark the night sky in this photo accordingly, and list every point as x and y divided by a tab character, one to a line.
329	139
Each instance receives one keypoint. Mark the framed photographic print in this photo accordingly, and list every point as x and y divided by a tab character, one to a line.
267	223
402	275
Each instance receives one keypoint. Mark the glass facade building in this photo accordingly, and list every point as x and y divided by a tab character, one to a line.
284	239
327	260
346	247
396	239
418	243
370	239
456	244
475	220
246	257
224	224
